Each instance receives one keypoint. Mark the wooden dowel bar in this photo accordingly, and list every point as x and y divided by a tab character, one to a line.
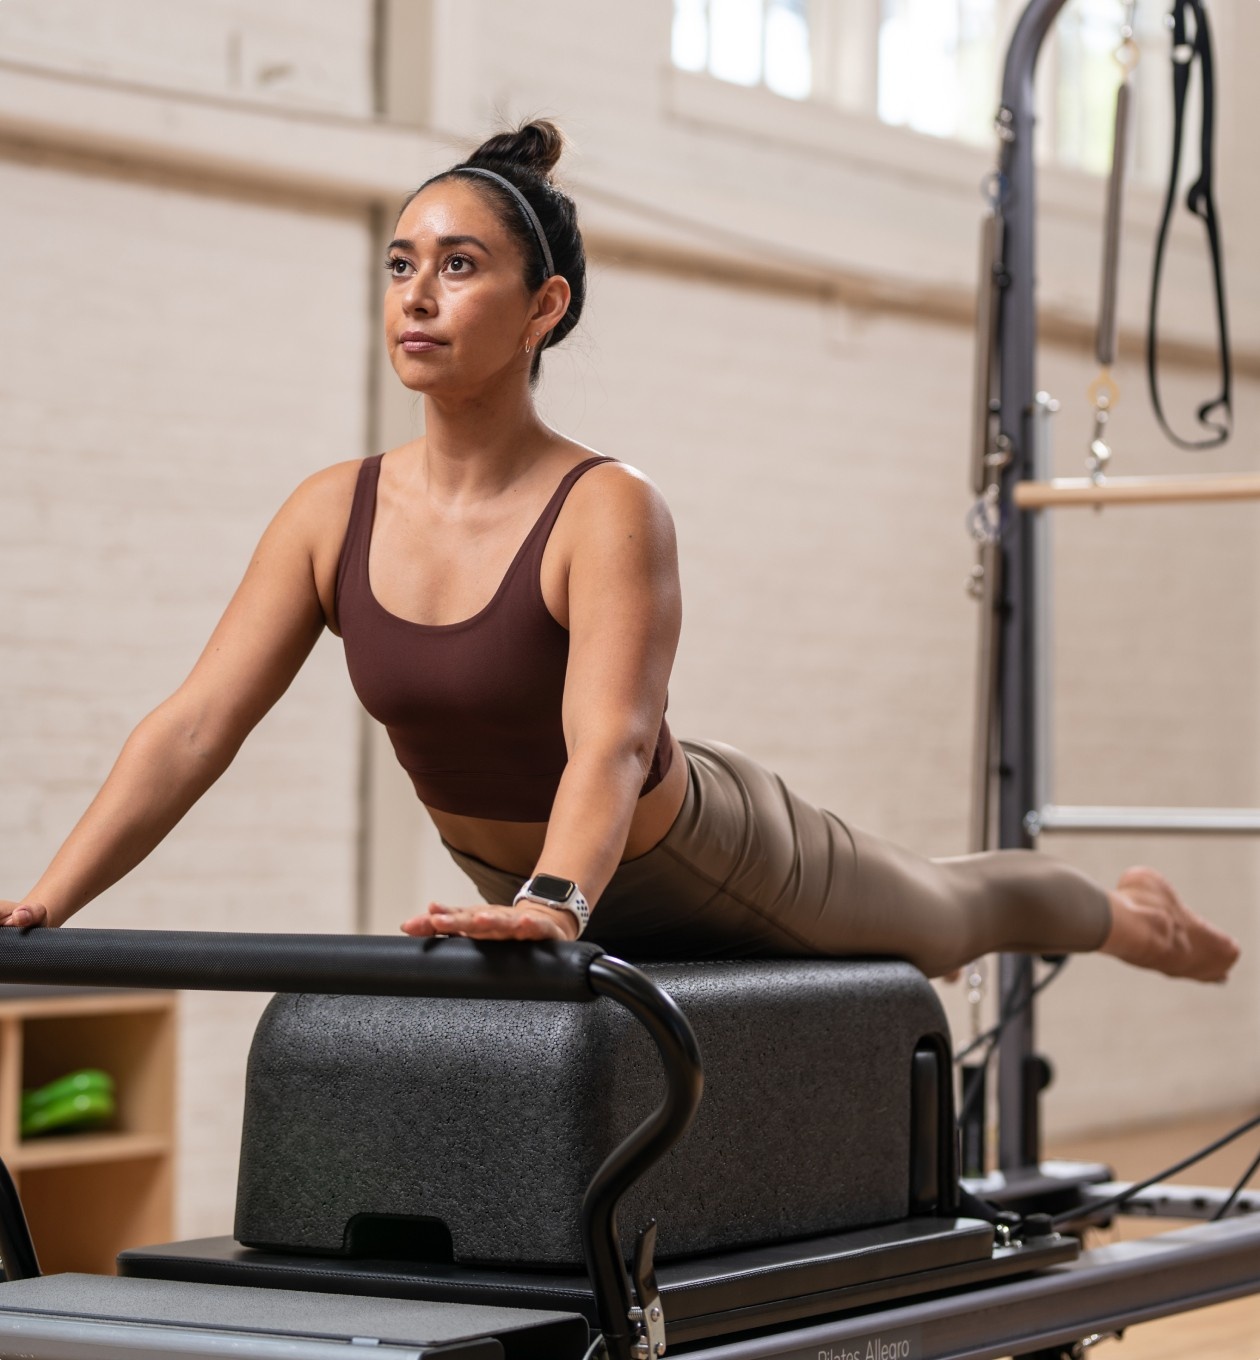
1069	491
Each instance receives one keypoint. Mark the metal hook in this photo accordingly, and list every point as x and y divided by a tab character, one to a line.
1104	394
1099	450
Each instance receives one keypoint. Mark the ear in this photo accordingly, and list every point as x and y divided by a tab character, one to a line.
550	303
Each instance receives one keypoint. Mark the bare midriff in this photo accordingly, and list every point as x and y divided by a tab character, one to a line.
516	846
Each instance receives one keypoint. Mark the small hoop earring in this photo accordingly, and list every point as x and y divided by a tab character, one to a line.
526	346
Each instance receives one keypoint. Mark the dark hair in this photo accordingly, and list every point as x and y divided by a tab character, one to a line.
527	157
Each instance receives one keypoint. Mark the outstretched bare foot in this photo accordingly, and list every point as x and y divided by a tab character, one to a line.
1152	927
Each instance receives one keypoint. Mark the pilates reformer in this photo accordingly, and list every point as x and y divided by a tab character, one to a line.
516	1257
799	1211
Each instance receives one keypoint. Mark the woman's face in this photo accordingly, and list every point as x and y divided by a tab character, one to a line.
457	311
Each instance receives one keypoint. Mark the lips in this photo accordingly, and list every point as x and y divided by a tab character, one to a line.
416	342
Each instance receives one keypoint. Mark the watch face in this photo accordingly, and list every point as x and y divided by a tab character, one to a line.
548	885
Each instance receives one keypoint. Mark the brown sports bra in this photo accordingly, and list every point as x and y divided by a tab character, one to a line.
472	708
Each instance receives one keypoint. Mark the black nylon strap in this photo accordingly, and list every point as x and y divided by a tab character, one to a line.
1201	202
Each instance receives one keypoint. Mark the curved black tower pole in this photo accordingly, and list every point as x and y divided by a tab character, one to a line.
1019	1139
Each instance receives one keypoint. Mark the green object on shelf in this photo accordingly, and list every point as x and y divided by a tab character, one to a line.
84	1080
79	1100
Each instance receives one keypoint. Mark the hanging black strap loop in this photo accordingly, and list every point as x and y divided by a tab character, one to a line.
1188	47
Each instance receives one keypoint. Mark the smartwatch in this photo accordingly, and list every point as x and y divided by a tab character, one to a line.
562	894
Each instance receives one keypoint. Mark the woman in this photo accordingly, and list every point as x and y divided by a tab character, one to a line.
510	608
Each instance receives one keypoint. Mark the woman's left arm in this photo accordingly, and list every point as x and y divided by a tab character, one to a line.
625	614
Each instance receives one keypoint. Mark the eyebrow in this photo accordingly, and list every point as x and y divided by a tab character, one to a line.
444	241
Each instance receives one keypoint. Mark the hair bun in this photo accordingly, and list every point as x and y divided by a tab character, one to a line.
535	146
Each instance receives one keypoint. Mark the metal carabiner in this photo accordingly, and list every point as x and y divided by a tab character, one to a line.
1128	53
984	519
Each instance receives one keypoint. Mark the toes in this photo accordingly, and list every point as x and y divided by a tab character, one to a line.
1147	883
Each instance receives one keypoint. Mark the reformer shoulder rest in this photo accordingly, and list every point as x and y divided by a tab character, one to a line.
462	1131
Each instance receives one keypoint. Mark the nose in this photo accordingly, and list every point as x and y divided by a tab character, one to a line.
418	295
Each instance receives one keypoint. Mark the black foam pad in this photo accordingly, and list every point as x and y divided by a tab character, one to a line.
492	1117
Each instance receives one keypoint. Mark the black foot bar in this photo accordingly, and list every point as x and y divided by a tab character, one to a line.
360	965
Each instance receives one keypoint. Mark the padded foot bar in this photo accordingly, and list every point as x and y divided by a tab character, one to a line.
344	965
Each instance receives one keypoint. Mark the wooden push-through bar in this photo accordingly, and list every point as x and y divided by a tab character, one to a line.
1069	491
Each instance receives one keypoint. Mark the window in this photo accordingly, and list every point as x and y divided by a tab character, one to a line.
749	42
935	66
1085	79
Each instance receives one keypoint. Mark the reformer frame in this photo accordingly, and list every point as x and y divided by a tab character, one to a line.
1036	1316
1017	588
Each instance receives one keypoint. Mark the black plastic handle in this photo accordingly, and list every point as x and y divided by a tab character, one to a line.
349	965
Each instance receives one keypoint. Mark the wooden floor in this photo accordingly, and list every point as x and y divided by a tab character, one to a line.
1228	1331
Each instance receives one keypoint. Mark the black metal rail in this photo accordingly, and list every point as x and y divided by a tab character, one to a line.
1019	1136
1099	1294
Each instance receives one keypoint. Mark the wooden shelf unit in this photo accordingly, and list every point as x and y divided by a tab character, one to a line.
90	1195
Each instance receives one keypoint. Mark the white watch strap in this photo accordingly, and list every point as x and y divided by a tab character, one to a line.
575	904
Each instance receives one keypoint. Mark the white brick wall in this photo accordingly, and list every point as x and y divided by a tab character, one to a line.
174	364
313	54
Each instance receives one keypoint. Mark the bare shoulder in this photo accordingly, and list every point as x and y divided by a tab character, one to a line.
617	496
323	498
314	519
317	511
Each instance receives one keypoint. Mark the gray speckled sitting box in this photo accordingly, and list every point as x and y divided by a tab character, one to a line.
492	1116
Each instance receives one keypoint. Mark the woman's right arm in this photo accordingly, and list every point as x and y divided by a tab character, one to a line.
185	744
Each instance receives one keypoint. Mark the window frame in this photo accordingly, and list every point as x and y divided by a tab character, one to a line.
845	82
863	141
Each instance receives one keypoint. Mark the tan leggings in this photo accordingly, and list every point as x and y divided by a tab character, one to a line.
748	869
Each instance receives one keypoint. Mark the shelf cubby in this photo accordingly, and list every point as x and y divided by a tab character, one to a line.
91	1194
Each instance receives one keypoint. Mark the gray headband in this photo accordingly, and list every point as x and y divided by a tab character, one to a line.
525	204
